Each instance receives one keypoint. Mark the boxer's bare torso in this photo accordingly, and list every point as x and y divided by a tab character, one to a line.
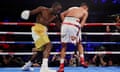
44	15
77	12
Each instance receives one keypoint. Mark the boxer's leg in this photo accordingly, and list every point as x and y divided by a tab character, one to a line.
63	50
46	52
81	49
64	39
28	65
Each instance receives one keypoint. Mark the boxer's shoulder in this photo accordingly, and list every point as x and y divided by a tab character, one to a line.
43	8
73	8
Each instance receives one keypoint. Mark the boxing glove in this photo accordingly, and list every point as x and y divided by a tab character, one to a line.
25	14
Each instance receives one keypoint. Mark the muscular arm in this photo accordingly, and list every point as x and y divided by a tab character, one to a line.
63	14
84	19
52	18
26	13
37	10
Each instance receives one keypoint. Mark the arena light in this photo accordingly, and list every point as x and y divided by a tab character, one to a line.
114	1
104	1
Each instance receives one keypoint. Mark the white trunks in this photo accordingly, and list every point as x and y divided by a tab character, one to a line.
70	30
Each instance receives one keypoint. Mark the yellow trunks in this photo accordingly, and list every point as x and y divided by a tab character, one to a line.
40	36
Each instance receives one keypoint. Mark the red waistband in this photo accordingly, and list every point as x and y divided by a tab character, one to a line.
72	24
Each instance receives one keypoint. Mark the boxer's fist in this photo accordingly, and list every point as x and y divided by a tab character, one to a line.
25	14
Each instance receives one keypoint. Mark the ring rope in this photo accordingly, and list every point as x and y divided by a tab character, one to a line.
31	24
24	42
58	33
29	42
54	42
17	23
101	33
54	53
28	33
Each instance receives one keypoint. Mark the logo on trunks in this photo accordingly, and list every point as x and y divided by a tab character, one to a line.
73	38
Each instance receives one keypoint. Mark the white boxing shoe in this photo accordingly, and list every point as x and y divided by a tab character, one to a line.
46	70
27	67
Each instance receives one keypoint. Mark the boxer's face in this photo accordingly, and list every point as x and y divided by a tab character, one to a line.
57	9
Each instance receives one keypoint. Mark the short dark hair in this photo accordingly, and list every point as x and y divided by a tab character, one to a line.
56	4
84	4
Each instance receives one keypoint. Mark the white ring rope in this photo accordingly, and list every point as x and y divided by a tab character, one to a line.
101	33
54	42
27	24
58	33
54	53
28	33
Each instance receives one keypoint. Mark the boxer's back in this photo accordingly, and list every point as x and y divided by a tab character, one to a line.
77	12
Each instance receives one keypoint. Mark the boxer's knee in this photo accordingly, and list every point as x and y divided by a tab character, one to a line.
48	46
47	50
64	45
34	49
79	43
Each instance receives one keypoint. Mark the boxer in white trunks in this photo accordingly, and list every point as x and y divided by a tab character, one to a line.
73	20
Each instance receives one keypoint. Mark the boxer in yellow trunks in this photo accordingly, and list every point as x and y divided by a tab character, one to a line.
39	33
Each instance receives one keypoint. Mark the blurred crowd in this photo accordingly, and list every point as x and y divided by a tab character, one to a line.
71	60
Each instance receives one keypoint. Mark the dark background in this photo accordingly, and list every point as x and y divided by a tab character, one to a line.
99	10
